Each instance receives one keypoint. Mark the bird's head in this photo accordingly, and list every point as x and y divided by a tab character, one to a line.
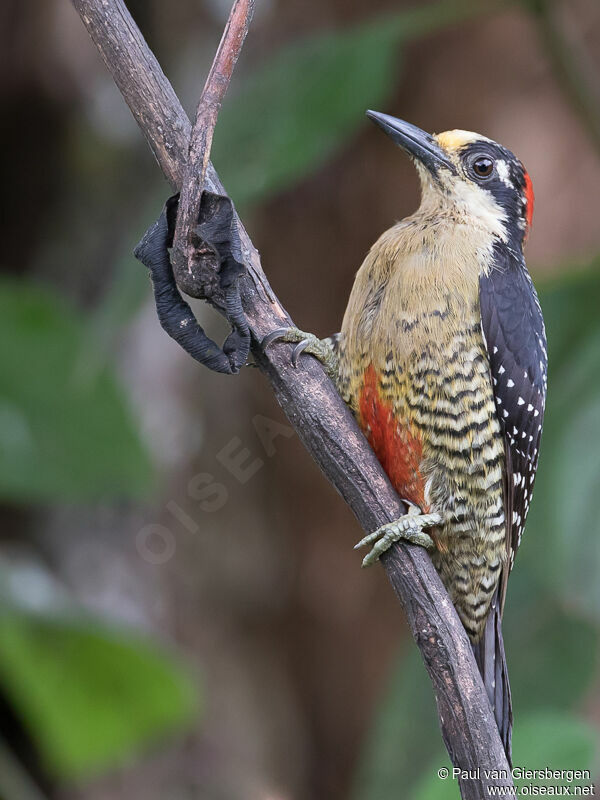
469	175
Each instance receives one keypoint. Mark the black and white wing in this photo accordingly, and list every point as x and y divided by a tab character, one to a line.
513	327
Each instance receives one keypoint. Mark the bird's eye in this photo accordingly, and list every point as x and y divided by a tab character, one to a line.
482	167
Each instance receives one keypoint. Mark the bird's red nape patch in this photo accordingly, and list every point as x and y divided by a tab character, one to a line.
397	448
530	198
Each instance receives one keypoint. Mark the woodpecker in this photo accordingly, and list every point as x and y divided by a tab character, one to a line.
442	359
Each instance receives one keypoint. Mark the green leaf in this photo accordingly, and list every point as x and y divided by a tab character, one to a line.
90	696
65	430
301	106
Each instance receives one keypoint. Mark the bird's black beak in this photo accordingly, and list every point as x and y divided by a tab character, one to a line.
414	141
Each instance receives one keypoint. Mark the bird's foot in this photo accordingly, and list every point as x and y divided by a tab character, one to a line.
409	527
321	349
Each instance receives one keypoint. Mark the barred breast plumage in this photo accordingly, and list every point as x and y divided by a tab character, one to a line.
414	369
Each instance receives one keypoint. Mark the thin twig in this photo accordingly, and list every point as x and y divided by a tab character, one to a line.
208	109
322	421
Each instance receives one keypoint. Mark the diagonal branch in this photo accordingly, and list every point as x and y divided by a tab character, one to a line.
319	415
184	245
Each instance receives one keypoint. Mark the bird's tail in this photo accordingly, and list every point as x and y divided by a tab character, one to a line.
491	660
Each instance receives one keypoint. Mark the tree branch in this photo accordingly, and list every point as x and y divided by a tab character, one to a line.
319	415
184	244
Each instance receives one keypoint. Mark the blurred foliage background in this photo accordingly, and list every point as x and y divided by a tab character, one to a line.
169	628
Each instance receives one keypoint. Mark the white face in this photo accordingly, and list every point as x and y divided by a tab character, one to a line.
460	193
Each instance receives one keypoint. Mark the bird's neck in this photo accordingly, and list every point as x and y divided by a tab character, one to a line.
427	255
427	265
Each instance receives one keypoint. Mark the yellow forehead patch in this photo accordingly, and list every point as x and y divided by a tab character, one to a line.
454	140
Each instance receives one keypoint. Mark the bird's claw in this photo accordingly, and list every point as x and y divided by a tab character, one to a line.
409	527
298	350
291	335
305	343
278	333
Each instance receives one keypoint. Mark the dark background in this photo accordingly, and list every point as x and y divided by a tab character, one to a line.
162	640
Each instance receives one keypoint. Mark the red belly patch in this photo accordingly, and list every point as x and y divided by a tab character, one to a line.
397	448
